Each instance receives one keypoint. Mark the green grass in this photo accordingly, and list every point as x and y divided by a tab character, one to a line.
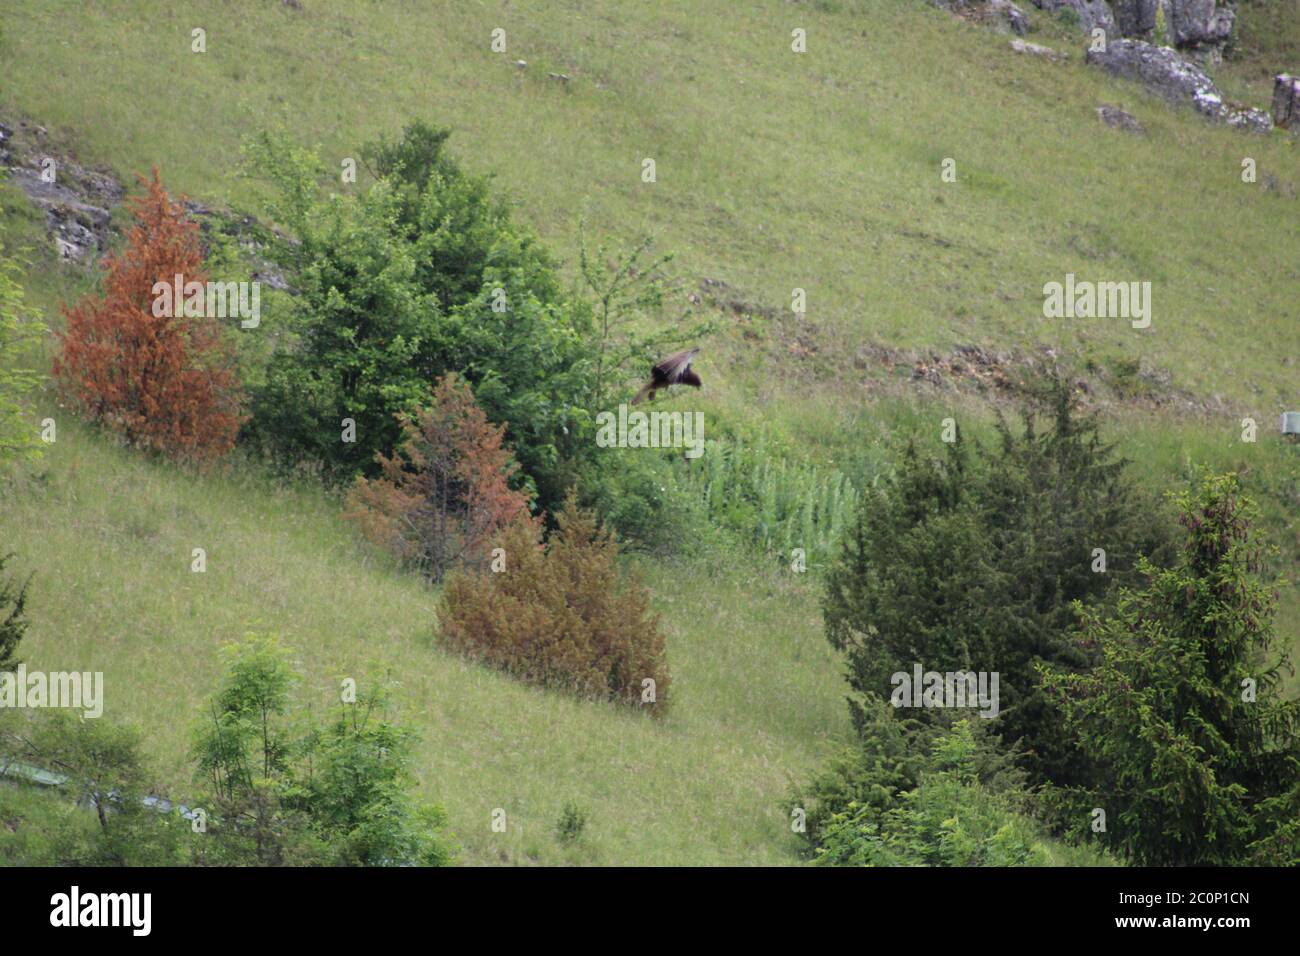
774	171
757	692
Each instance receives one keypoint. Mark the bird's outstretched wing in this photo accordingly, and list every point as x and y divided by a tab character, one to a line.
673	370
674	366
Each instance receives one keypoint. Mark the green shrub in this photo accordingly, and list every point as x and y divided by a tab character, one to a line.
889	758
948	818
1068	16
639	494
13	623
571	823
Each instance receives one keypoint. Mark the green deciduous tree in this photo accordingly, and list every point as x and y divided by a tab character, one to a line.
421	273
13	623
287	794
623	286
104	773
358	791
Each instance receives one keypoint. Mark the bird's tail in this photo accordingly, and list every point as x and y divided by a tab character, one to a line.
647	391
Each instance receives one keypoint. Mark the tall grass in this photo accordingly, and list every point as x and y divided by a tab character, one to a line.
774	501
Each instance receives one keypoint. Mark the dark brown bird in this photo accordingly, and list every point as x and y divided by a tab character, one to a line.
673	370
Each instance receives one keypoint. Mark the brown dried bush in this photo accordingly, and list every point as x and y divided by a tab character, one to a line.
560	614
446	492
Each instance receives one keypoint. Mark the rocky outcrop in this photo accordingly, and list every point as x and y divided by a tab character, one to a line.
1002	14
1188	23
1136	19
256	243
1035	49
1117	118
77	201
80	230
1010	14
1165	73
1286	101
1196	23
1091	14
1195	30
1198	28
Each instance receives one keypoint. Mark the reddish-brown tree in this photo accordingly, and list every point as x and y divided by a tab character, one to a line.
561	614
446	492
162	382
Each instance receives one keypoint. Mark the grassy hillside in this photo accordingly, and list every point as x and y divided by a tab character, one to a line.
775	171
758	696
757	692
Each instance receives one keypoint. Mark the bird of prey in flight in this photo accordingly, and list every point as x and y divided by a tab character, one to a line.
673	370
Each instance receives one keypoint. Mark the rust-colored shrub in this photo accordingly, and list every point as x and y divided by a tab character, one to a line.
166	383
446	492
561	615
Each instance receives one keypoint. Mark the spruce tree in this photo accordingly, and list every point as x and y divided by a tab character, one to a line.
1197	749
972	561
